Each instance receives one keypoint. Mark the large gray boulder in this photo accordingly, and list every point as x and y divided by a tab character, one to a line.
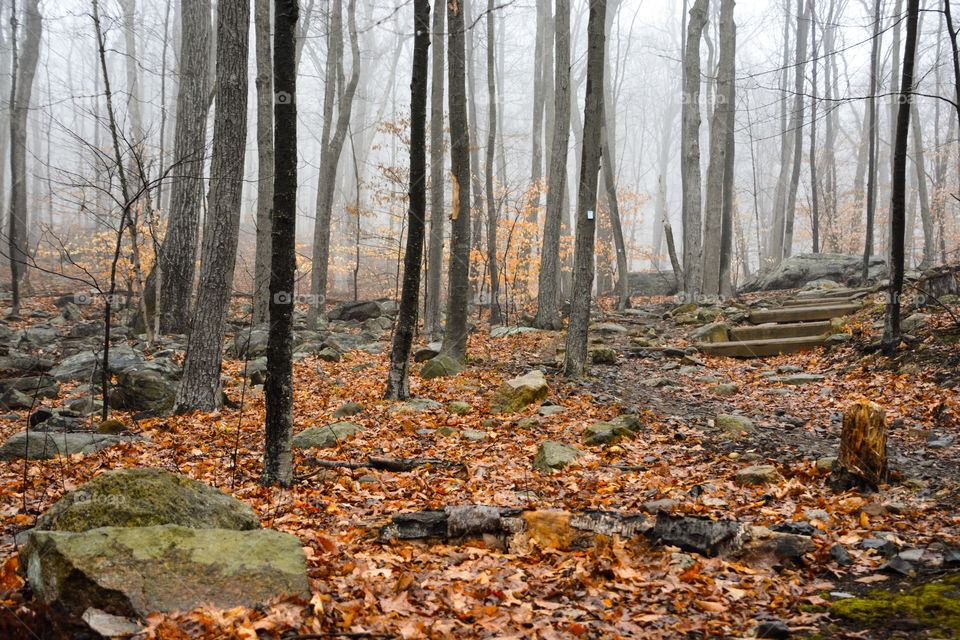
139	570
145	497
359	311
85	364
42	445
143	388
326	437
796	271
41	386
652	283
515	394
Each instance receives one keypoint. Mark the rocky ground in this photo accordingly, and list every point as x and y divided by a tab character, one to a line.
670	494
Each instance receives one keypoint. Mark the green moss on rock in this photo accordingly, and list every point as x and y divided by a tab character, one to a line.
936	604
146	497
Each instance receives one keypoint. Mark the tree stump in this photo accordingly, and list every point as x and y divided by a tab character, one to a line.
863	443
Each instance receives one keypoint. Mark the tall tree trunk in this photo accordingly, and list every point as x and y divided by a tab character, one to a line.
496	316
690	151
796	123
278	389
548	294
431	320
23	70
178	253
329	159
458	272
536	137
200	387
473	124
814	182
829	163
872	153
774	244
716	169
891	329
398	387
729	211
264	82
583	270
926	220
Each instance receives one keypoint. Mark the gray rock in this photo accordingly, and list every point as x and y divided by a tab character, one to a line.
250	343
798	379
459	407
713	332
473	435
85	364
14	399
41	386
727	389
550	410
504	331
41	445
603	355
553	456
440	366
347	409
139	570
757	475
658	382
733	426
609	328
517	393
416	405
425	353
358	311
142	388
798	270
141	497
326	437
610	432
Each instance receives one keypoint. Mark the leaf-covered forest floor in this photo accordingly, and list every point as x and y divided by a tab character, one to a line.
616	588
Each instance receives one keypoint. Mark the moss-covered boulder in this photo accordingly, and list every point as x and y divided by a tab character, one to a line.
517	393
326	437
603	355
146	497
713	332
141	388
440	366
758	475
135	571
553	456
936	604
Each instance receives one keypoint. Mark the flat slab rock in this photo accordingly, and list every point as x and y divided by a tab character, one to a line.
138	570
37	445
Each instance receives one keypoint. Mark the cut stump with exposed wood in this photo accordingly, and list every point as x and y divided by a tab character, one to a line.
863	443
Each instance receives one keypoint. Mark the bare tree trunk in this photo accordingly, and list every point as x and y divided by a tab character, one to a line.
431	319
278	389
872	154
536	155
716	169
576	343
814	181
891	330
774	244
663	165
23	70
200	387
178	253
329	159
926	220
729	211
264	82
796	123
548	294
829	162
690	151
458	272
496	317
398	387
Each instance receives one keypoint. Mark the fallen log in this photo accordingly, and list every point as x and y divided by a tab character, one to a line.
396	465
519	531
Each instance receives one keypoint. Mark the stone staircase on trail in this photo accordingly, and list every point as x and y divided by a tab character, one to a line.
799	324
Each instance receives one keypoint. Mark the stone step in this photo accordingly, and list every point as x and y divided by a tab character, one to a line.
803	314
842	292
775	331
761	348
815	302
